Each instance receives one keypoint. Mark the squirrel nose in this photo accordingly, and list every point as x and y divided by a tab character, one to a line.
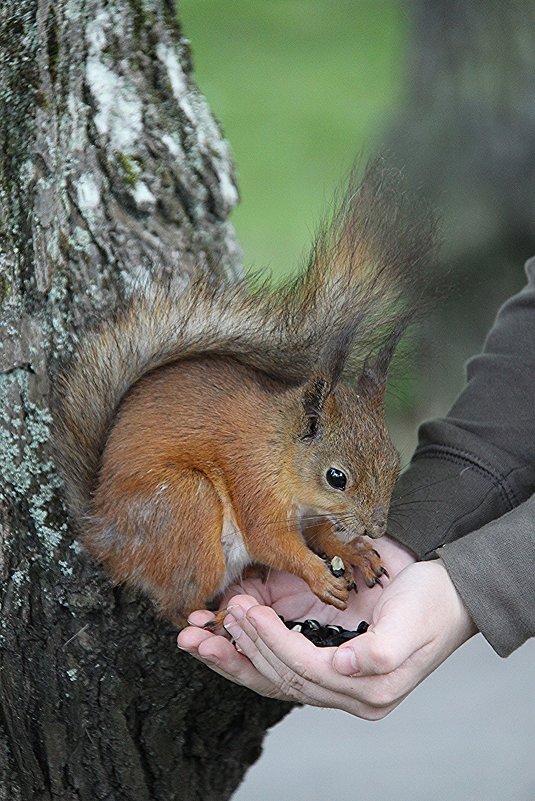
378	522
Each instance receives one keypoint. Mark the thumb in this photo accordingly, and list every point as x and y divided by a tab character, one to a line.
397	632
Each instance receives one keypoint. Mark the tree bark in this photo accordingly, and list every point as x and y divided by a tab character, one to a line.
111	168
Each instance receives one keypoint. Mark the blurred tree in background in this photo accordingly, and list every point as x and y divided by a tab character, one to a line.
465	133
302	87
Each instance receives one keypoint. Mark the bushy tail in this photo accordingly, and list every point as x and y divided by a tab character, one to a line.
364	282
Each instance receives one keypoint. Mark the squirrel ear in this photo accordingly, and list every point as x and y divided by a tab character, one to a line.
372	380
315	392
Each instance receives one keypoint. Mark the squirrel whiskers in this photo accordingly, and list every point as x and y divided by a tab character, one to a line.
196	416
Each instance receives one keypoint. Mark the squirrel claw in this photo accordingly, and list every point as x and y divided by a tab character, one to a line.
216	622
371	581
381	571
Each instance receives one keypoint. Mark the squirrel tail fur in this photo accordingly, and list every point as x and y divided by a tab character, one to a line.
362	286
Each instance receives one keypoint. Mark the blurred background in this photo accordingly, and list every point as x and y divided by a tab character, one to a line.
301	88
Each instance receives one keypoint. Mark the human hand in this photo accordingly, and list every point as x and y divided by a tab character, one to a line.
282	664
417	621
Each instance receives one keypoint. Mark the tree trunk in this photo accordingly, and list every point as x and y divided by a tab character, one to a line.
465	135
111	168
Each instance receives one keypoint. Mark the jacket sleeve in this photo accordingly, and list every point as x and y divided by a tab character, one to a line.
467	495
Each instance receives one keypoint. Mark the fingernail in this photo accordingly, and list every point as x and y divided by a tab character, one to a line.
211	660
232	626
345	662
234	631
237	611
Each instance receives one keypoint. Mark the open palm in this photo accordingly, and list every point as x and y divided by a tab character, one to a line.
291	597
417	621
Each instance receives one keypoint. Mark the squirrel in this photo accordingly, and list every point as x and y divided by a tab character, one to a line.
204	429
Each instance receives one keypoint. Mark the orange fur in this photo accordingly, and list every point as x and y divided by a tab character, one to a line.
209	440
196	428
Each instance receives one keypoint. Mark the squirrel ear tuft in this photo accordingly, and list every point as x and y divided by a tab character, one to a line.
314	394
372	380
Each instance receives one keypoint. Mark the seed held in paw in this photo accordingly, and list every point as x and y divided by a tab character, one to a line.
336	566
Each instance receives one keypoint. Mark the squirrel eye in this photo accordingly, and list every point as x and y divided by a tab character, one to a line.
336	478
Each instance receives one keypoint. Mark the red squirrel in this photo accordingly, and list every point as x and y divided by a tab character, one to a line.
208	428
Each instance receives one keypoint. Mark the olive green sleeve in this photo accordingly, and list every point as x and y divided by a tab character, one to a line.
466	495
493	571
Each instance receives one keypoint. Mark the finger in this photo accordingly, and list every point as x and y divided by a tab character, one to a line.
224	659
237	610
200	617
191	637
261	622
289	687
217	653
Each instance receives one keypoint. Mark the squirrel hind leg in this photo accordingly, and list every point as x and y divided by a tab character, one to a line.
195	549
169	545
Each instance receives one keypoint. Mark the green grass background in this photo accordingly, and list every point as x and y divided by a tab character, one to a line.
301	88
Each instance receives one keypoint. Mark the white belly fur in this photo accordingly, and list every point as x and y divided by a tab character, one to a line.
236	554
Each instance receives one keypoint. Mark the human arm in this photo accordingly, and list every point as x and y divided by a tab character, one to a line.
467	495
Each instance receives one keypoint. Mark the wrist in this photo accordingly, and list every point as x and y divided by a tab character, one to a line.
463	624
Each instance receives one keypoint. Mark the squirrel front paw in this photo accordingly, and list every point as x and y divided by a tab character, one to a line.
368	561
330	589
